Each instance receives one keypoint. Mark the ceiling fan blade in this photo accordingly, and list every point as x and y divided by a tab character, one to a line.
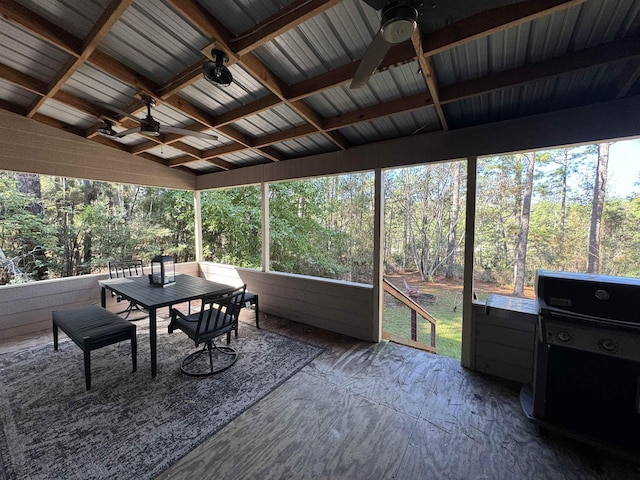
186	132
371	61
121	112
127	132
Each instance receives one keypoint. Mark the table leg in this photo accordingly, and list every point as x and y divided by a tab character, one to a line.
153	340
103	297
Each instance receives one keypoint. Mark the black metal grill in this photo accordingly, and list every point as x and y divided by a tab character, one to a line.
587	357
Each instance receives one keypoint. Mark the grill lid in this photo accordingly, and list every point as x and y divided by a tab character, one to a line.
602	296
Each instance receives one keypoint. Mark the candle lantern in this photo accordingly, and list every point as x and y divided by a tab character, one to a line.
163	270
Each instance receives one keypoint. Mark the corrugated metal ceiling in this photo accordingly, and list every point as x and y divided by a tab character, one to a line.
156	48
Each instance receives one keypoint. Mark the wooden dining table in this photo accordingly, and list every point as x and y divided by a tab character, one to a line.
140	291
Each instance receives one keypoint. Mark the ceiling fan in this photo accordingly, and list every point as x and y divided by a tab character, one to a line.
399	19
149	126
397	23
215	72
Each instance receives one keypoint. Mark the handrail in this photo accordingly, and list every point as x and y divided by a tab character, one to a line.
396	293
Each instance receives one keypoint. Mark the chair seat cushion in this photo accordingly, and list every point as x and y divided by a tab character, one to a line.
189	326
92	326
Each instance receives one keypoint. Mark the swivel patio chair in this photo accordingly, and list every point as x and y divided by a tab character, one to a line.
218	316
122	269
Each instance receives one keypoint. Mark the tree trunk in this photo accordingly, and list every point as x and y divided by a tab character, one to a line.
30	184
520	260
597	206
563	193
453	221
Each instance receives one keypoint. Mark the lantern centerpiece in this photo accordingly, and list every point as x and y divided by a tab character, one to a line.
163	271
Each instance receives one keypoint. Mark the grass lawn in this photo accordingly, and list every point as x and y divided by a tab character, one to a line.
397	320
447	310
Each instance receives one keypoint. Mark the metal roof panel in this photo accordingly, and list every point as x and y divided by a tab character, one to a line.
28	54
73	16
151	39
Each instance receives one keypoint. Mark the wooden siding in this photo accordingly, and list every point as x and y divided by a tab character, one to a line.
502	337
340	307
611	120
26	308
32	147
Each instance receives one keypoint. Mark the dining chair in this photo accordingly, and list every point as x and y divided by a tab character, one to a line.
218	315
122	269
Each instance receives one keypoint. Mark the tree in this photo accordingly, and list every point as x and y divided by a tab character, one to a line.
597	206
453	220
520	257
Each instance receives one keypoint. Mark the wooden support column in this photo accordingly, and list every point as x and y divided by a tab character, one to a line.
469	242
378	256
197	211
264	190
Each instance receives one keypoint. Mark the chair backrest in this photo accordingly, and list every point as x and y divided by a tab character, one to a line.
125	268
219	314
409	287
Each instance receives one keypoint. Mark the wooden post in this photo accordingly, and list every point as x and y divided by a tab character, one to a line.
414	325
197	210
469	243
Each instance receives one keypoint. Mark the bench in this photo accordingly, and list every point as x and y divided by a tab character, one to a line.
93	327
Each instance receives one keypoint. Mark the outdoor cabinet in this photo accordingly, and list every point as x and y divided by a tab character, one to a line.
502	337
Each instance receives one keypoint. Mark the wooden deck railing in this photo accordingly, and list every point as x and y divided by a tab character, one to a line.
416	310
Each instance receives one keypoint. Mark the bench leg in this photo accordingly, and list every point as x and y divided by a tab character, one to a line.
87	368
55	335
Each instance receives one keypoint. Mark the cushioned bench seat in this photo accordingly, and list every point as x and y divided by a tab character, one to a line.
93	327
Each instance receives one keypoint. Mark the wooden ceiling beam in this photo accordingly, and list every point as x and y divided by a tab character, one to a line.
202	19
289	134
272	154
193	12
78	103
23	80
466	30
221	163
153	158
142	147
616	51
184	79
58	124
247	110
398	55
12	107
123	73
111	143
426	68
491	21
109	17
280	22
631	76
392	107
223	150
40	27
188	149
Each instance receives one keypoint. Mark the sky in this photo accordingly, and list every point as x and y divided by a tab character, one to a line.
624	168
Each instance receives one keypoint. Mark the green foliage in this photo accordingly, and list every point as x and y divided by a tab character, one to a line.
25	236
231	226
84	224
323	227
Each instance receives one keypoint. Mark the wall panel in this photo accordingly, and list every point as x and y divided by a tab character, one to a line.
341	307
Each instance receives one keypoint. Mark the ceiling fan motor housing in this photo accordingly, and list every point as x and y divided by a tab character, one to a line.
398	23
215	72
